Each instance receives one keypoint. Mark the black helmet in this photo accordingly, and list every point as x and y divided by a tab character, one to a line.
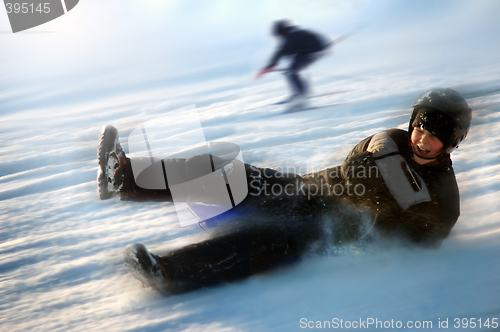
281	27
445	113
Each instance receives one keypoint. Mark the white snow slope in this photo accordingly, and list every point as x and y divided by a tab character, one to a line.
61	265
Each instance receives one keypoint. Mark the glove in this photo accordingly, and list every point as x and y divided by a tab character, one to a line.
265	71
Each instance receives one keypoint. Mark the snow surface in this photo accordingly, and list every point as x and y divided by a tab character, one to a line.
61	265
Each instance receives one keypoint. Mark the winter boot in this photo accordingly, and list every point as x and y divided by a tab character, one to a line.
145	267
111	161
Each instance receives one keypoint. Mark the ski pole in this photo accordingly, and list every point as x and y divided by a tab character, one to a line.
349	34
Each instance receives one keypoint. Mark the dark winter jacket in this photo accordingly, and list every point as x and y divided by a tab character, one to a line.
299	41
418	202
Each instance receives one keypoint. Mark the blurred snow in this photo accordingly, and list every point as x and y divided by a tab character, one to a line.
61	264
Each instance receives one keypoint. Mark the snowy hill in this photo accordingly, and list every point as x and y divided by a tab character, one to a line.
61	265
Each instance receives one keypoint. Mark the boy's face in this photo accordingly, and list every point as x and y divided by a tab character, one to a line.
426	145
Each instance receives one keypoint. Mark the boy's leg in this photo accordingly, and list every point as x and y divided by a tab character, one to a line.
130	191
229	257
236	254
115	174
243	250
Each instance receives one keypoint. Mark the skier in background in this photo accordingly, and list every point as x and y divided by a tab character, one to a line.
305	47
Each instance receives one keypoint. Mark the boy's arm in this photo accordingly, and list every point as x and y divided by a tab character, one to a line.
427	224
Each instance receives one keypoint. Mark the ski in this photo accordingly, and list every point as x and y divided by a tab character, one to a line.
288	101
298	110
308	108
310	97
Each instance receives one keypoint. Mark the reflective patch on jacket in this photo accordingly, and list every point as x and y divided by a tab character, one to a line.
405	185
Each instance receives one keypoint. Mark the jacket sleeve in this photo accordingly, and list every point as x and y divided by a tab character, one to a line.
289	46
428	224
360	148
286	48
277	56
425	224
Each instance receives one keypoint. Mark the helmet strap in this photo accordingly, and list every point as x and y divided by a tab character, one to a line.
439	156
